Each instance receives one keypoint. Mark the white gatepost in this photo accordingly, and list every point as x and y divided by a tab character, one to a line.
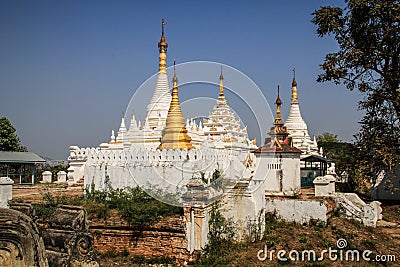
324	185
61	177
5	191
46	177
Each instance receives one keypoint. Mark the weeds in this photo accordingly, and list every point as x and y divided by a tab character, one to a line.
369	244
303	239
221	240
134	205
254	228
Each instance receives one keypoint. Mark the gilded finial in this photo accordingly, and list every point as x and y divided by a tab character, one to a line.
278	99
162	44
162	47
221	96
294	83
279	128
278	102
175	79
295	99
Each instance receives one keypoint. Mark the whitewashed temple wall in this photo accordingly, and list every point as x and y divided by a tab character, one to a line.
281	171
245	205
141	166
297	210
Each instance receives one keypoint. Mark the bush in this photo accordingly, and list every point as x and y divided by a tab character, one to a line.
221	240
135	206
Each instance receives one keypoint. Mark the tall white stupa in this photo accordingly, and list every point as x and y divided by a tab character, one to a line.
157	109
297	127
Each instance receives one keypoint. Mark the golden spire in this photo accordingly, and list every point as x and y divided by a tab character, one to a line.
221	97
278	131
162	46
175	134
295	99
278	102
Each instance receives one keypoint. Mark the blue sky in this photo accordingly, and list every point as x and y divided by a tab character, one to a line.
69	68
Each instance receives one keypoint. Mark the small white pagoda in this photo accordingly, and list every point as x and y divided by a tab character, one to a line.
297	127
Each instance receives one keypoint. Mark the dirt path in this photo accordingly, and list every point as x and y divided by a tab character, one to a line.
35	193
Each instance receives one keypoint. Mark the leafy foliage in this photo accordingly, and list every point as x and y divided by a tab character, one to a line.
367	32
215	181
221	240
346	157
379	138
9	141
50	202
134	204
368	59
327	138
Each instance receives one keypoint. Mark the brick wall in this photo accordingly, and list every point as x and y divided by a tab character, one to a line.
166	238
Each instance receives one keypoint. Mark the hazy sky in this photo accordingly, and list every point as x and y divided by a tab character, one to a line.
69	68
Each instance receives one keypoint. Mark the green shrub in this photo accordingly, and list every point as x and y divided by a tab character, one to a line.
135	206
221	240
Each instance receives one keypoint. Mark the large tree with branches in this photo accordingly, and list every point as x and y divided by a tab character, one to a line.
368	59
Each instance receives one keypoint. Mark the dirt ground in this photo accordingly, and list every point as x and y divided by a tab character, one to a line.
35	193
382	240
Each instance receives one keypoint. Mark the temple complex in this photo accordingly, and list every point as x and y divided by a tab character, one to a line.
193	164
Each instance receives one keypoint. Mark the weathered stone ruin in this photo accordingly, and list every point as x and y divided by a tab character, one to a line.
20	240
64	240
67	239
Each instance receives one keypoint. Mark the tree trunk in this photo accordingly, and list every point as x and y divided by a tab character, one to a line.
396	102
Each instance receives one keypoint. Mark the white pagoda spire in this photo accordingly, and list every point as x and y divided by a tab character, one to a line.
112	137
223	125
157	109
122	130
133	126
294	122
296	126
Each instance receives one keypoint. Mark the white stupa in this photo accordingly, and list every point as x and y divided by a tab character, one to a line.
297	127
157	109
223	128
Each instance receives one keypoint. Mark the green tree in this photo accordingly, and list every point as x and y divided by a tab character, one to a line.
368	59
368	35
327	138
9	141
343	154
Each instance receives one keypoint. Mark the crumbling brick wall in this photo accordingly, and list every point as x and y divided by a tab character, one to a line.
167	238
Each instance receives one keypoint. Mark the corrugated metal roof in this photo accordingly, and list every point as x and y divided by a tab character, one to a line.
315	158
19	157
